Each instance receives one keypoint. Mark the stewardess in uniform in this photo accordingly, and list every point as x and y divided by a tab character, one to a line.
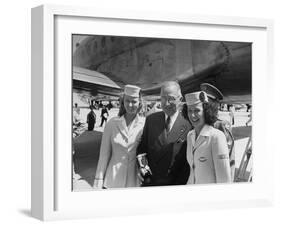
215	96
164	134
117	162
207	151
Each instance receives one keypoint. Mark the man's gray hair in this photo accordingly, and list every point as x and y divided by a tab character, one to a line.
171	84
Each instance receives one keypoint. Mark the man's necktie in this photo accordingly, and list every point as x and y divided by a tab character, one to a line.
168	124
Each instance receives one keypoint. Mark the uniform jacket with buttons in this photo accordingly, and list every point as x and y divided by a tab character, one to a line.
208	157
117	161
162	149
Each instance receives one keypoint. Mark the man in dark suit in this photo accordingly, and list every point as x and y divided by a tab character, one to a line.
91	119
104	115
160	159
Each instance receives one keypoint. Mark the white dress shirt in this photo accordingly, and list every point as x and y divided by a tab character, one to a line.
173	119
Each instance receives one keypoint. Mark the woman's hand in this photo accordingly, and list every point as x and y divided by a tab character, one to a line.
144	174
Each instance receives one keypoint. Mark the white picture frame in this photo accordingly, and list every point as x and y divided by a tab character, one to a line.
52	197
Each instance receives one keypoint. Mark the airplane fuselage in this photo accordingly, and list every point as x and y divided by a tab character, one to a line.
148	62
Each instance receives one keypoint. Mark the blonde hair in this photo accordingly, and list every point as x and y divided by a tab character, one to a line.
122	110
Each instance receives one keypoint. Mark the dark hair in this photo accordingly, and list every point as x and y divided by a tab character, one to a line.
184	111
210	112
122	110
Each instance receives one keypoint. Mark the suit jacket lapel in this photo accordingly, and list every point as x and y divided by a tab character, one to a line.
134	127
121	124
163	135
174	136
205	132
199	141
177	130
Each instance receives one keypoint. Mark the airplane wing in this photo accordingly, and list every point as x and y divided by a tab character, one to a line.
85	80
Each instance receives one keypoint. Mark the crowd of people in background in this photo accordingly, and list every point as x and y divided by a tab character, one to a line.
79	125
151	107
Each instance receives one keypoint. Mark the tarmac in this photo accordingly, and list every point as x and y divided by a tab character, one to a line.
87	146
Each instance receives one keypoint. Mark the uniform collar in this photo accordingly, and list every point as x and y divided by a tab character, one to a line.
205	132
135	121
123	127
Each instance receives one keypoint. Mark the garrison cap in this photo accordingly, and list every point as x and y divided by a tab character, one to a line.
211	91
132	91
196	97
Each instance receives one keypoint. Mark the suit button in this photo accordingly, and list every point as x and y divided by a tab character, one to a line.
169	170
193	166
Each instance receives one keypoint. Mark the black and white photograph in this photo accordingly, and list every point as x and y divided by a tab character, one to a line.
160	112
119	112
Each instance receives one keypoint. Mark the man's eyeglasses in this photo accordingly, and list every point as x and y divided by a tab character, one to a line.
170	99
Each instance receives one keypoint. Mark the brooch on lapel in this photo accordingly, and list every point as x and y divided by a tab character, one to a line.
183	128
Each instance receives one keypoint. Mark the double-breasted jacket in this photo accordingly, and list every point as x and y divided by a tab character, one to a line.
117	162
